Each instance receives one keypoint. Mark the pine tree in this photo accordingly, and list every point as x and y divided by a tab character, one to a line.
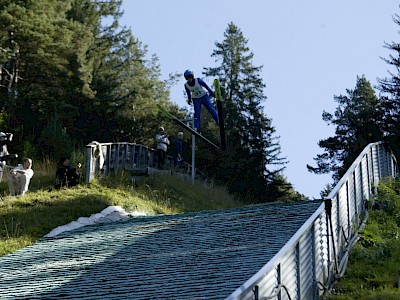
252	147
47	44
91	76
357	121
390	86
125	82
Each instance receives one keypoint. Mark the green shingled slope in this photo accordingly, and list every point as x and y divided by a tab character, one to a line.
205	255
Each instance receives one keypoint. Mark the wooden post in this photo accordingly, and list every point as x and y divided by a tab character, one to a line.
88	163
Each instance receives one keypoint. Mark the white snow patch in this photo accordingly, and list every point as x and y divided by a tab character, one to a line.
107	215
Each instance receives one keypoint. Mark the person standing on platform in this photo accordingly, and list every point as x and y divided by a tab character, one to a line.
162	147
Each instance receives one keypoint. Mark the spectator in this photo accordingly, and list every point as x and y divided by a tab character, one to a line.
178	142
3	152
19	178
162	147
66	175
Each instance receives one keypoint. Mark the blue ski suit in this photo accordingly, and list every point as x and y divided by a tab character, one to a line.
194	90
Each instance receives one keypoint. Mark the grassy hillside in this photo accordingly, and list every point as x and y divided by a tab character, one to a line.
374	263
24	220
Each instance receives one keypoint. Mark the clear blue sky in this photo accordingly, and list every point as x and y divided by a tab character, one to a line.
310	51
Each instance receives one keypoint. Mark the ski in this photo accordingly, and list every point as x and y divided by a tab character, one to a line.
188	128
218	97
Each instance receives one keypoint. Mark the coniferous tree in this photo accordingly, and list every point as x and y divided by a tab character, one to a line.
357	121
390	86
91	77
125	83
46	44
252	160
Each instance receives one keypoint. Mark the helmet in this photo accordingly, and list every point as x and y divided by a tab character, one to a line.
188	73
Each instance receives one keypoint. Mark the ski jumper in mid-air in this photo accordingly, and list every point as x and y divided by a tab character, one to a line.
195	91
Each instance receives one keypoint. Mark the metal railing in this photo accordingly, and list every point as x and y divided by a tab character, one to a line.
104	158
317	254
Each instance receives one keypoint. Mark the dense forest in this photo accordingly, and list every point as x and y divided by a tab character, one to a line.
67	78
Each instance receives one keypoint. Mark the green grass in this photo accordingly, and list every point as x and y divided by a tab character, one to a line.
372	272
24	220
